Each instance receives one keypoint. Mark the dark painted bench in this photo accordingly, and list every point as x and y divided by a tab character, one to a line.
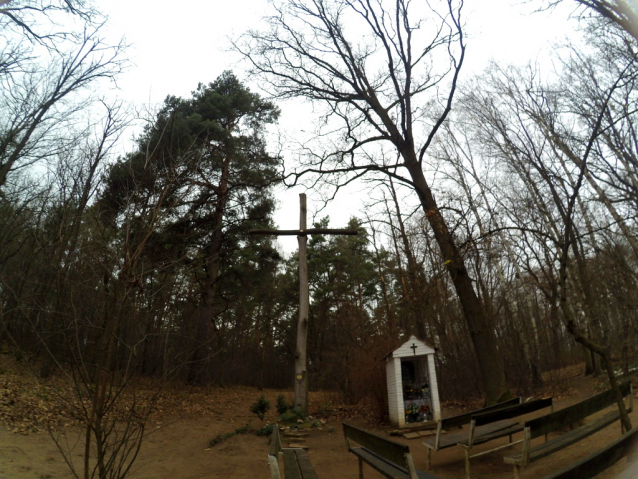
296	461
390	458
488	426
442	440
599	461
562	419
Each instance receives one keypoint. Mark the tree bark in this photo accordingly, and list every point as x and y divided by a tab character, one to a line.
206	310
489	360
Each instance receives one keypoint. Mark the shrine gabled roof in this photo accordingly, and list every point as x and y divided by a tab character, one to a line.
412	347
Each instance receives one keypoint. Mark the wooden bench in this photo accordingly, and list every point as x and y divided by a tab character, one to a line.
442	441
296	461
390	458
597	462
479	434
562	419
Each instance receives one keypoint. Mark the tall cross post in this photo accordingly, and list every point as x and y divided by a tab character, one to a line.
301	373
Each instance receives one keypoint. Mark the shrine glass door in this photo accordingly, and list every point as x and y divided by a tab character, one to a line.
417	399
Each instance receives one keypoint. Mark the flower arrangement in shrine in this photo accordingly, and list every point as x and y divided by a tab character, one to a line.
417	411
412	408
411	392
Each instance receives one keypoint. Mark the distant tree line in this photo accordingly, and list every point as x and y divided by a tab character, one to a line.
143	263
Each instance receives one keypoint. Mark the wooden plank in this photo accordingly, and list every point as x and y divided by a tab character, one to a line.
380	464
387	468
512	411
463	436
462	419
307	471
564	440
291	468
482	439
425	475
304	232
275	441
392	451
599	461
573	414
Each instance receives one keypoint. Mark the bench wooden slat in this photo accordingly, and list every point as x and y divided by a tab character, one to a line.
387	448
564	440
572	414
296	461
462	436
385	467
465	418
597	462
291	468
390	458
380	464
483	438
512	411
275	441
305	467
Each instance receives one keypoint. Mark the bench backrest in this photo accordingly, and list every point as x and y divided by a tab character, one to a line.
393	451
273	452
572	414
511	411
597	462
462	419
275	441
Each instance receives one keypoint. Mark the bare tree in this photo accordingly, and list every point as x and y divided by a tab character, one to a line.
36	107
622	13
530	125
46	66
387	77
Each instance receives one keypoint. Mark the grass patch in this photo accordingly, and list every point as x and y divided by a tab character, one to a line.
264	431
227	435
247	429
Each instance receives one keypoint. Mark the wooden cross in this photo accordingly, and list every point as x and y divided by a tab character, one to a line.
413	348
301	379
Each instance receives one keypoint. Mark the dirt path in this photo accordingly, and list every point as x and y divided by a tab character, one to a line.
178	447
179	450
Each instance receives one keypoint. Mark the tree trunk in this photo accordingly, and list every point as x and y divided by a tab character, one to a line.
415	290
206	310
483	338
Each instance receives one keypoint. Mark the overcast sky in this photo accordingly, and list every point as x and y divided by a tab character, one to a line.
176	45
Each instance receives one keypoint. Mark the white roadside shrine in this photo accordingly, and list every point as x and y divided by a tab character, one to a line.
413	392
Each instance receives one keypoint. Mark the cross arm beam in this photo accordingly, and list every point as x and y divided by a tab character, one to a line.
306	232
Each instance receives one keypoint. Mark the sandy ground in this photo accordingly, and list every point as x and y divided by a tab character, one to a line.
178	449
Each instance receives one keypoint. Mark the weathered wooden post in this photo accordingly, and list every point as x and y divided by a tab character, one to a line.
301	380
301	372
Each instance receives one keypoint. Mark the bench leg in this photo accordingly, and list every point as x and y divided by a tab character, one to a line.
360	469
517	474
467	463
427	462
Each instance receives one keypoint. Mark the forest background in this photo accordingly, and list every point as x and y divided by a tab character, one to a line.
116	265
